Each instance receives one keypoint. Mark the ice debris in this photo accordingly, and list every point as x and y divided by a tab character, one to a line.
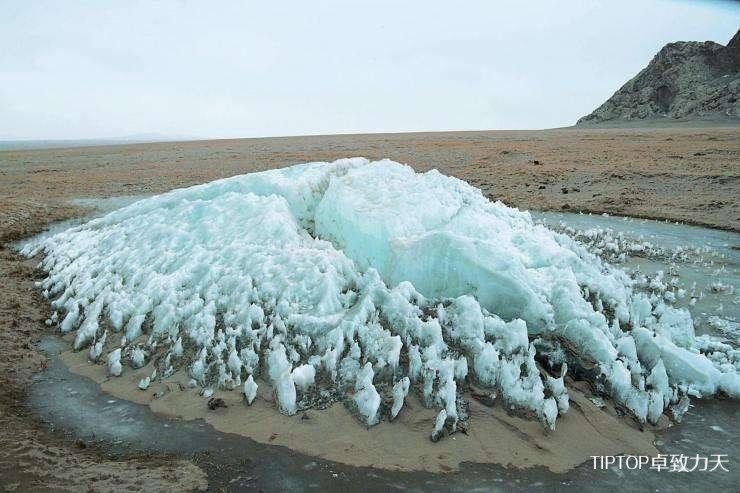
250	389
363	281
114	363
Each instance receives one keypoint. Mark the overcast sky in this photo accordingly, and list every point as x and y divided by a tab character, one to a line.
91	69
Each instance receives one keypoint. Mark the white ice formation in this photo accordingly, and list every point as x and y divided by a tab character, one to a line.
250	389
362	281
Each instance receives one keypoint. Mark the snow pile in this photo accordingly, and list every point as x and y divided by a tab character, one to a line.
362	282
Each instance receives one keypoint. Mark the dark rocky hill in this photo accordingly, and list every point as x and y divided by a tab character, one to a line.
686	80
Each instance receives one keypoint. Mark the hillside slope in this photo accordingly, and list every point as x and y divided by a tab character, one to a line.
686	80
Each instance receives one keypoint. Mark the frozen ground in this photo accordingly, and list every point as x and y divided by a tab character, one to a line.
361	282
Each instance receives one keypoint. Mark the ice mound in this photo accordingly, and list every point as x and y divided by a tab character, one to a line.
361	282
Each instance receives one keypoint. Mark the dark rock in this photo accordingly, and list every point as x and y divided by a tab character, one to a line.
541	187
215	402
485	398
686	80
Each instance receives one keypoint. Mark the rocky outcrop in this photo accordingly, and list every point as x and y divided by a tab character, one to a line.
684	81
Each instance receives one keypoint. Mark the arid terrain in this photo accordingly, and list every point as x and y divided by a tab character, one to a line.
681	174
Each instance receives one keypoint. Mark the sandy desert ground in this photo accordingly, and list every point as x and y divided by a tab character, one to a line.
681	174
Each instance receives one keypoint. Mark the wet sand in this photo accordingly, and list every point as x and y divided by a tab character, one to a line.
334	434
681	174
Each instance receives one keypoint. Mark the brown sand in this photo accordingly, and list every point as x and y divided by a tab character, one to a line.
334	434
681	174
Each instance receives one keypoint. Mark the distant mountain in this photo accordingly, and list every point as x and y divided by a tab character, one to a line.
14	145
686	80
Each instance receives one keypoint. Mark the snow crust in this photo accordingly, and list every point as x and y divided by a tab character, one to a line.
363	281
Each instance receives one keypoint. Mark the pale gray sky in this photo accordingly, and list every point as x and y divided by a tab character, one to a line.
92	69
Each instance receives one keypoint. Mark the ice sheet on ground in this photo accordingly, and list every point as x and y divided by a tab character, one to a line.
691	267
362	281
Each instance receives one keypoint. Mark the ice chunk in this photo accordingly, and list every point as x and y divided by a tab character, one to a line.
466	322
277	363
487	365
364	377
138	357
457	244
303	376
250	389
557	389
70	320
366	397
414	362
198	368
400	390
97	348
550	412
177	349
286	393
368	403
439	425
114	363
133	327
234	362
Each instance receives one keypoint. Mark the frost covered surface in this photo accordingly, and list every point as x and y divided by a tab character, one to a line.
616	246
362	282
